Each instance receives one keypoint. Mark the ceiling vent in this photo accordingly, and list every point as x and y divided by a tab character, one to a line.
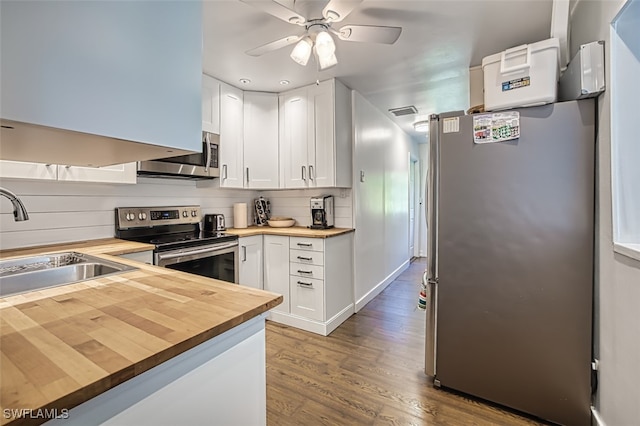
399	112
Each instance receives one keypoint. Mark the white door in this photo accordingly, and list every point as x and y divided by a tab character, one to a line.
261	140
210	104
293	145
276	268
412	207
231	140
23	170
119	173
321	157
250	273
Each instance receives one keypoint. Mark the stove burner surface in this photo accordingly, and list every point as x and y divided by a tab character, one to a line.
165	239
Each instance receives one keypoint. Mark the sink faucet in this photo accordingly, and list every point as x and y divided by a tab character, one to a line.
19	212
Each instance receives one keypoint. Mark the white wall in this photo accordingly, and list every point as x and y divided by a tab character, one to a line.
65	211
295	203
617	342
381	202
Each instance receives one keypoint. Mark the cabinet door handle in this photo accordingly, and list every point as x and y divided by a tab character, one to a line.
303	284
304	272
207	142
305	258
244	253
304	173
310	172
305	245
224	171
247	175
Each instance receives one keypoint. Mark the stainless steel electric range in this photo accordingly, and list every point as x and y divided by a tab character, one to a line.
179	241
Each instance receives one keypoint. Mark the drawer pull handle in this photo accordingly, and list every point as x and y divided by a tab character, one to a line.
305	245
302	283
305	258
304	272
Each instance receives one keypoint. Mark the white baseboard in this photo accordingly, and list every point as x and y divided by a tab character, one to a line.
323	328
381	286
596	419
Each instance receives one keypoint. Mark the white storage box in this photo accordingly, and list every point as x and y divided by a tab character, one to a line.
522	76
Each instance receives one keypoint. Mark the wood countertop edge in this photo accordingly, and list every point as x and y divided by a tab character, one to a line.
295	231
91	390
109	248
112	380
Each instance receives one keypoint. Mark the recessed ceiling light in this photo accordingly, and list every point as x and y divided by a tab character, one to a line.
245	81
284	82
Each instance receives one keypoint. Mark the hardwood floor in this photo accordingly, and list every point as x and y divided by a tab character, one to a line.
369	371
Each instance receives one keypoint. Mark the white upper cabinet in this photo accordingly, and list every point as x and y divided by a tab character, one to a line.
261	140
231	137
210	104
83	67
294	139
316	141
119	173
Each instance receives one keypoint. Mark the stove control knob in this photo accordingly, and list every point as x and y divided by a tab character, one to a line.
130	216
185	214
142	216
194	213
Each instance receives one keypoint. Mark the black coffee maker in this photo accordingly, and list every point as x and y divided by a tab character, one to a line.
322	213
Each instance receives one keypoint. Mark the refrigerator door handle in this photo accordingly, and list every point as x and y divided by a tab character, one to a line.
431	274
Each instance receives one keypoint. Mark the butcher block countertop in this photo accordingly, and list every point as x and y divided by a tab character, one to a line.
64	345
294	231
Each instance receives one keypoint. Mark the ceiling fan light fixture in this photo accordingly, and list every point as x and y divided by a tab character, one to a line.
302	51
327	62
325	47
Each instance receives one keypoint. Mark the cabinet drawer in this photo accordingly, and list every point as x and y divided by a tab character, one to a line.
307	297
306	271
307	257
313	244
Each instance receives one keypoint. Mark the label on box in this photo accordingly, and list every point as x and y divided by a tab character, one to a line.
498	127
518	83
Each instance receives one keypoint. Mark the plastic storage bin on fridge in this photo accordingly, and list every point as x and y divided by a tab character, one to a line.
522	76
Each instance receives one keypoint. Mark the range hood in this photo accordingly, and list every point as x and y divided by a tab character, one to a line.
41	144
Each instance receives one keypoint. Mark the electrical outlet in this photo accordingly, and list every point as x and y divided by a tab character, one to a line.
343	193
361	175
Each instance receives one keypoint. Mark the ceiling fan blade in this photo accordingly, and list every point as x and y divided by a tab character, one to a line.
274	45
337	10
369	33
274	8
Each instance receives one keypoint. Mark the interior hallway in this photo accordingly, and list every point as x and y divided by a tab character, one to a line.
369	371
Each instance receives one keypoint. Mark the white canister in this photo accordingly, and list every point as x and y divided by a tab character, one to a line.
239	215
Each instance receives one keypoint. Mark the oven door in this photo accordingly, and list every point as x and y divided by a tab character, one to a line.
218	261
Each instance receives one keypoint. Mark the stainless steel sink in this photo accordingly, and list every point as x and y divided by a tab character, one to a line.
49	270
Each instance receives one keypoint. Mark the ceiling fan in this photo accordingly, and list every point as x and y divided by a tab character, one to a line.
318	27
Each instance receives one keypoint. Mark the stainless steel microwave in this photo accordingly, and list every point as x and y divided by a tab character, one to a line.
202	165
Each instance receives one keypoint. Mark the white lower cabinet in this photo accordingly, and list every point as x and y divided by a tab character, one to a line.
276	269
251	260
315	276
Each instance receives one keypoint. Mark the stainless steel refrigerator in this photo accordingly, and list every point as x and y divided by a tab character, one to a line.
510	259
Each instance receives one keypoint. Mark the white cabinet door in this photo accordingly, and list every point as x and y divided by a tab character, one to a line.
307	297
22	170
293	144
261	140
210	104
231	140
251	261
321	143
119	173
276	268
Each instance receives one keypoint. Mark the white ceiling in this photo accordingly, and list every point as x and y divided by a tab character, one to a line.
427	67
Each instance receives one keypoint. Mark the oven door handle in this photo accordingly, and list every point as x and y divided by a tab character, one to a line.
208	249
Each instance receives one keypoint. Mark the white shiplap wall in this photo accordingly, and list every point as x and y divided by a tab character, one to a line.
295	203
65	211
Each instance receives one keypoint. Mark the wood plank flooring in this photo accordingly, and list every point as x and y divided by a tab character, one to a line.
369	371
